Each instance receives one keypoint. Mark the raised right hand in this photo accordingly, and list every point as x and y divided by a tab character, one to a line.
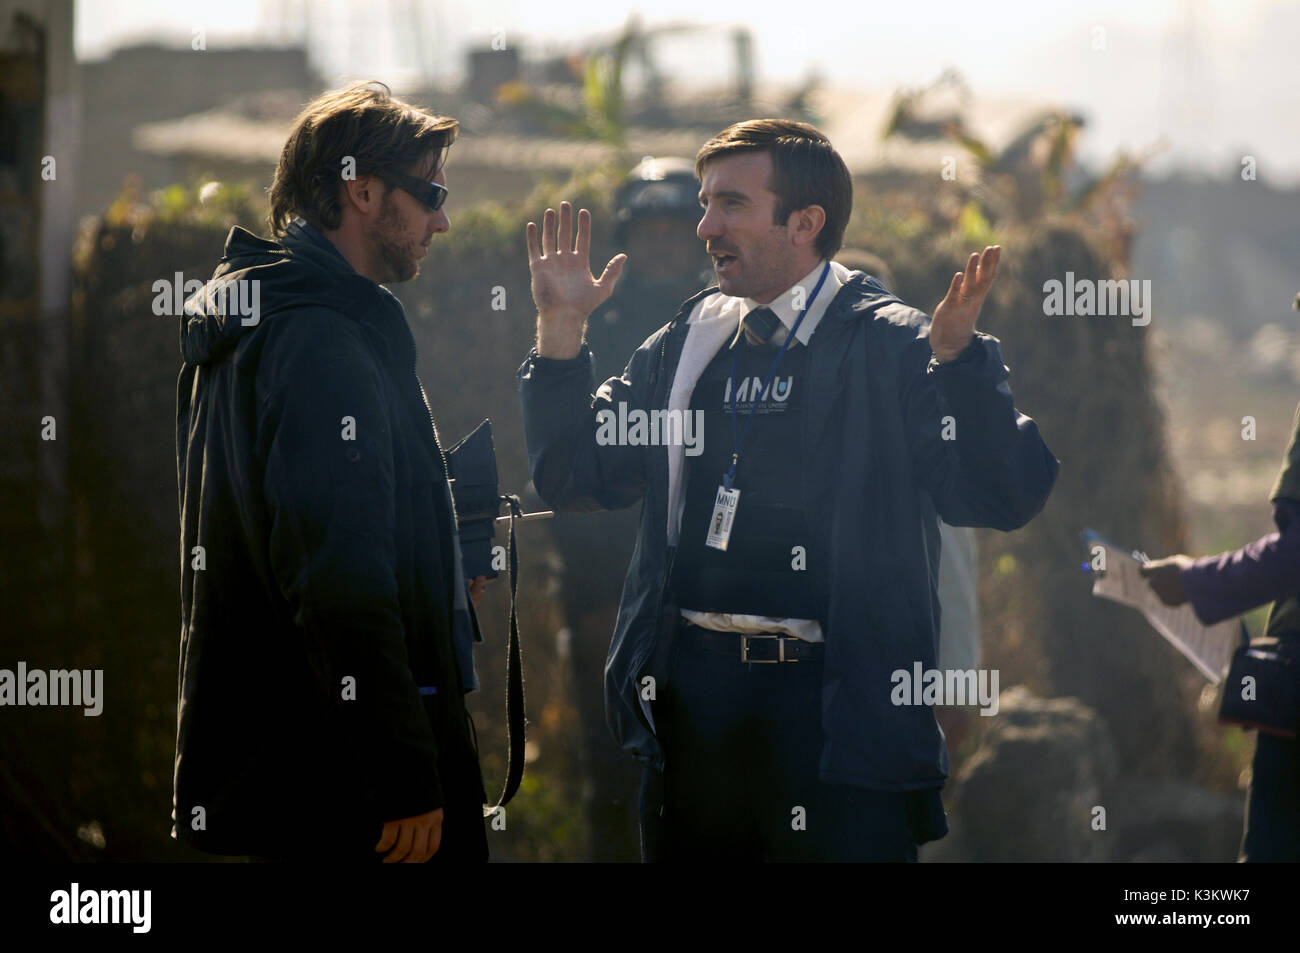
563	287
413	839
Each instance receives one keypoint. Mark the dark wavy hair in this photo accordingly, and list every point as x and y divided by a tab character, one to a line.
364	122
806	170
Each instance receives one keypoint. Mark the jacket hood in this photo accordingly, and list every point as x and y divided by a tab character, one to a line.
255	280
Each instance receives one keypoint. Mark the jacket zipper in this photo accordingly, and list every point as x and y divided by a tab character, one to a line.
672	550
424	398
672	555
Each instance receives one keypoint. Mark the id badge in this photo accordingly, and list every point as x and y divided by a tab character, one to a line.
724	515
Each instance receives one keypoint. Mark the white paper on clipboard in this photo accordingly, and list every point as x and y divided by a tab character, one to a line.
1209	648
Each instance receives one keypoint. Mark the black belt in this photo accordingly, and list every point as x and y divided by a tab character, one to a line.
754	647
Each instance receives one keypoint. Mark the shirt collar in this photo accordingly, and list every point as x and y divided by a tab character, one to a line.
783	305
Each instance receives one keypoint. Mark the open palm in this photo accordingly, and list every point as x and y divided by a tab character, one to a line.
562	283
953	322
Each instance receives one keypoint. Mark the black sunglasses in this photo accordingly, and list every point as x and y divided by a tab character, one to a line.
429	194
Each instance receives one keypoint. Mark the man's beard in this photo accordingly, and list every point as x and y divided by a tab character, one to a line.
392	252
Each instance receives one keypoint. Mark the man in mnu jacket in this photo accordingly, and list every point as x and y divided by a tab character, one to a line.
899	416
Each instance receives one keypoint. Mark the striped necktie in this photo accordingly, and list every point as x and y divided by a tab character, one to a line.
760	324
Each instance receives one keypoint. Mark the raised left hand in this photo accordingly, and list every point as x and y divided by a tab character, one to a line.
953	323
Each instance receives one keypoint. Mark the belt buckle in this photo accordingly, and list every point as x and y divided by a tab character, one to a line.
744	649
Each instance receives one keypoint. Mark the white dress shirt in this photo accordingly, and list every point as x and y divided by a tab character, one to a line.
715	322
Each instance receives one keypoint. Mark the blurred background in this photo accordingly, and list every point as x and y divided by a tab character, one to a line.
1110	140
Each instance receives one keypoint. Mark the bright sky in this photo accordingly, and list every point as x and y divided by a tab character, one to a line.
1215	79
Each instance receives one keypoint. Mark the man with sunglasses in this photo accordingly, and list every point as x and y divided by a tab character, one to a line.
327	626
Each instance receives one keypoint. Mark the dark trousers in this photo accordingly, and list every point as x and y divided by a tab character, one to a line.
1273	805
740	782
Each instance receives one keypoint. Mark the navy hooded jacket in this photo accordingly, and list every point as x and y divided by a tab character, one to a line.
876	469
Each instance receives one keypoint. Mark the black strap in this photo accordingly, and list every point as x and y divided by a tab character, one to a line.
516	721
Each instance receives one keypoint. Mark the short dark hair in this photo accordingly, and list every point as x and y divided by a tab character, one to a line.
806	170
364	122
